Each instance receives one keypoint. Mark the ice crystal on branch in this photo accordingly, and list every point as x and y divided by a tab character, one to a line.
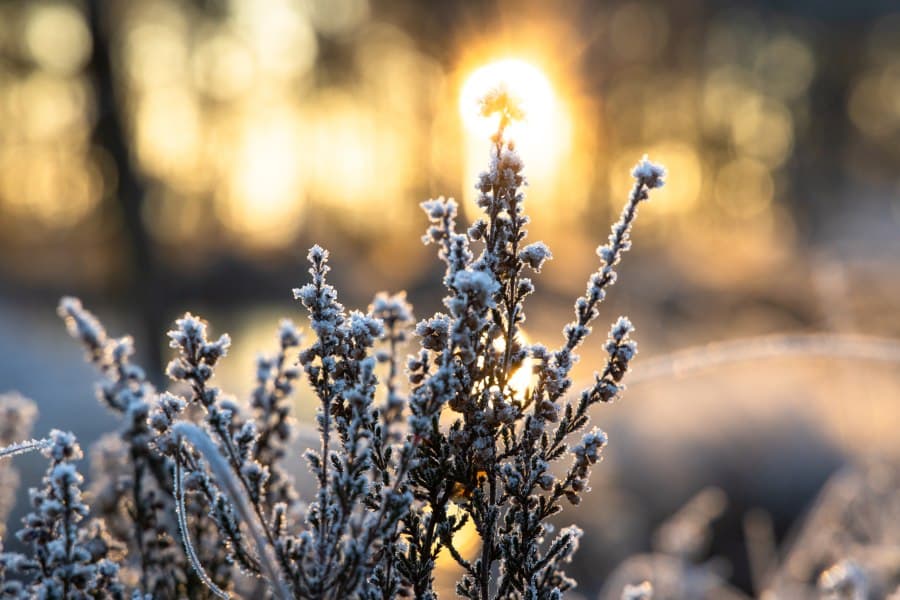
501	101
648	173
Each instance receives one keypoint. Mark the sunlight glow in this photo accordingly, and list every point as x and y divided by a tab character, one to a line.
524	378
266	196
524	81
543	137
466	541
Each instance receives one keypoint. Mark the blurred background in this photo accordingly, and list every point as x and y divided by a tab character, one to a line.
159	156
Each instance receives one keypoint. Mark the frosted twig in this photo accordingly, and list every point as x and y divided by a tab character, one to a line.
24	447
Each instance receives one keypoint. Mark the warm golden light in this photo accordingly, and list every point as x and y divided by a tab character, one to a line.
57	37
524	81
467	541
266	190
543	137
681	194
524	378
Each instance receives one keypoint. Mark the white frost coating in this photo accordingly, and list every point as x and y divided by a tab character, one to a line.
648	173
480	286
181	512
642	591
201	442
844	580
24	447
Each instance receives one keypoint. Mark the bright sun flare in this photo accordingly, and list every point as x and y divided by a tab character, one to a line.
543	137
523	80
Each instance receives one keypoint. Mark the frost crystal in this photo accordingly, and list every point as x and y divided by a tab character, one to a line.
650	174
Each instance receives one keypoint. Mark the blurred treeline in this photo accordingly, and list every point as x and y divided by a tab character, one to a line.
155	153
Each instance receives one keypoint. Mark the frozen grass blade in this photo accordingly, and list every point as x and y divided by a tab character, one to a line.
699	358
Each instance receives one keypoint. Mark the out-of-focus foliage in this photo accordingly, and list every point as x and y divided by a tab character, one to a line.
250	125
16	418
845	548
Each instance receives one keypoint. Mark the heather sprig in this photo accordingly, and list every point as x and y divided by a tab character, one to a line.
276	376
350	544
68	555
348	548
494	460
194	364
138	498
239	501
396	314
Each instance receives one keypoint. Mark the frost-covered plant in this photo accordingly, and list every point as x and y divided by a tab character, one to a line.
849	541
678	567
500	444
846	547
134	489
401	466
69	556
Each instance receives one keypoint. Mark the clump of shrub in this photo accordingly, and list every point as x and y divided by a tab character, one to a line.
192	490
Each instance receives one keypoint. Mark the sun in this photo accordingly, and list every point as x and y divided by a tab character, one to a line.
524	378
543	137
524	81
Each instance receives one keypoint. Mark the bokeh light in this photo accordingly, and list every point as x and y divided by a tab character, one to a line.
543	137
57	37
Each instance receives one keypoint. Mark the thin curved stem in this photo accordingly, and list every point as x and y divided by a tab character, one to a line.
181	512
693	359
201	442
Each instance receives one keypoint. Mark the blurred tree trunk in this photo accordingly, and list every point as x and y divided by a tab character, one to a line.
144	281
